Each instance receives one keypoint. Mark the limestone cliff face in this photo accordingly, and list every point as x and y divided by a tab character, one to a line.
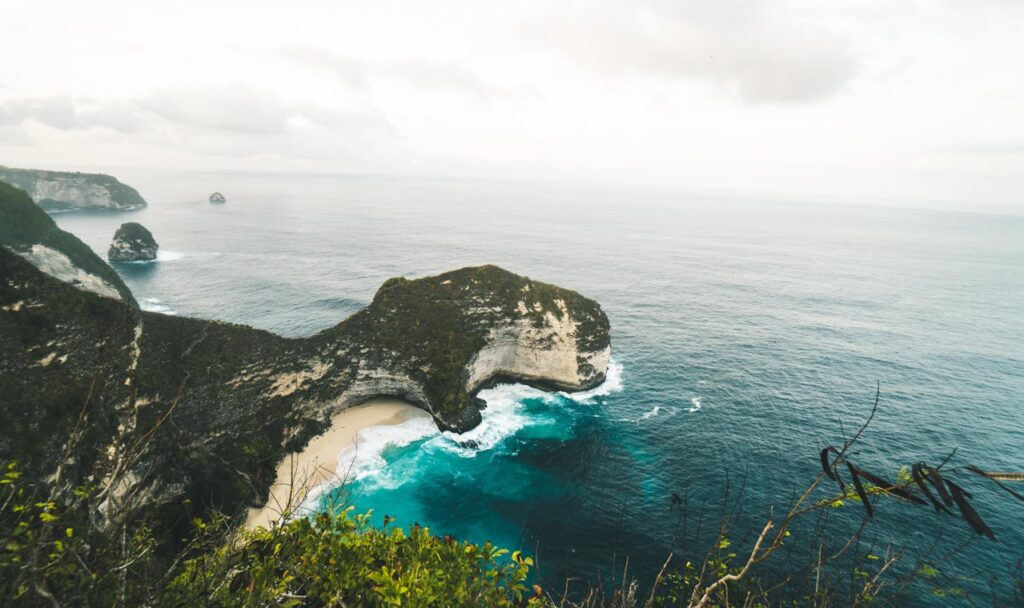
178	408
65	191
547	353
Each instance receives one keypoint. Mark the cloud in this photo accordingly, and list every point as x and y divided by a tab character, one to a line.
234	108
426	74
751	48
64	113
13	135
222	119
1009	147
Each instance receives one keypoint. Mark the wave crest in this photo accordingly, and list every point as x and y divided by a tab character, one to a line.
169	256
156	305
366	456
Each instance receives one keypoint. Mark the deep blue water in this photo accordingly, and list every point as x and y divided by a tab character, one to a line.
777	319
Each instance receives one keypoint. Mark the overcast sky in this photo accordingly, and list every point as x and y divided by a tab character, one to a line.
917	100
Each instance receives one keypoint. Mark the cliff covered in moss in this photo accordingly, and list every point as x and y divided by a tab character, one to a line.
186	414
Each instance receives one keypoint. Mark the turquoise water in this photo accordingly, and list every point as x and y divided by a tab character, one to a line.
750	333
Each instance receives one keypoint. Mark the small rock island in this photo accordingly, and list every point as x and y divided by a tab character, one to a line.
218	198
132	243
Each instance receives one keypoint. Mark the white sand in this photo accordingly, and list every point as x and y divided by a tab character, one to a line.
300	473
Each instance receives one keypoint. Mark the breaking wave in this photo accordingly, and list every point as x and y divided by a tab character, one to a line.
503	417
169	256
156	305
657	411
505	413
652	413
366	457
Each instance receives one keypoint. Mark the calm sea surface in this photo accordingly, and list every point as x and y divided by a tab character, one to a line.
747	335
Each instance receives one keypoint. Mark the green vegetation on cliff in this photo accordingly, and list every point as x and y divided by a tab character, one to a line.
23	224
444	320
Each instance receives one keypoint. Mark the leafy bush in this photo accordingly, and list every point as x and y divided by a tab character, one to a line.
52	553
55	550
340	560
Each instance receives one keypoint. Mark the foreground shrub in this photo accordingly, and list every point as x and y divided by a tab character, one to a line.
340	560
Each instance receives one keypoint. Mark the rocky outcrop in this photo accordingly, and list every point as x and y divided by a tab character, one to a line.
132	243
65	191
218	198
202	411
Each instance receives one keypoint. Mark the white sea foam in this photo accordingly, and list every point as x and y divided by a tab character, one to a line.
156	305
366	457
612	384
502	418
657	410
696	404
169	256
651	414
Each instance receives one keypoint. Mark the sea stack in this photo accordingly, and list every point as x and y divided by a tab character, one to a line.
218	198
132	243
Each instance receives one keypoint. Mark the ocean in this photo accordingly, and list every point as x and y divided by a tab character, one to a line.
747	334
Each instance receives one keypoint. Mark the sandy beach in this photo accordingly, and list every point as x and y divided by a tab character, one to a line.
301	472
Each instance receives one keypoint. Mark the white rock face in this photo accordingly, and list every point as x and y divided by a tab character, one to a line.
66	191
548	354
57	265
75	191
372	382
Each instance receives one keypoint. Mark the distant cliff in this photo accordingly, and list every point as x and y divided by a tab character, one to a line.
217	405
65	191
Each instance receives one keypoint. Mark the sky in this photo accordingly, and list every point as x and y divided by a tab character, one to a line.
907	100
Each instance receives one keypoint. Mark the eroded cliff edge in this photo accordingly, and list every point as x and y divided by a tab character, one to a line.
184	415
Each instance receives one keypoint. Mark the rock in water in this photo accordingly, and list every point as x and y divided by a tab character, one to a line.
217	197
132	243
66	191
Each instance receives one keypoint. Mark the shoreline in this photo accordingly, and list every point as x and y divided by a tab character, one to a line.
317	463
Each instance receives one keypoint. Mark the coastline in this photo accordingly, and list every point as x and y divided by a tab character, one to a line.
317	463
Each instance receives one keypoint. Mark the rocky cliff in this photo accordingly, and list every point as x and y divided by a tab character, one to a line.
29	232
65	191
178	415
